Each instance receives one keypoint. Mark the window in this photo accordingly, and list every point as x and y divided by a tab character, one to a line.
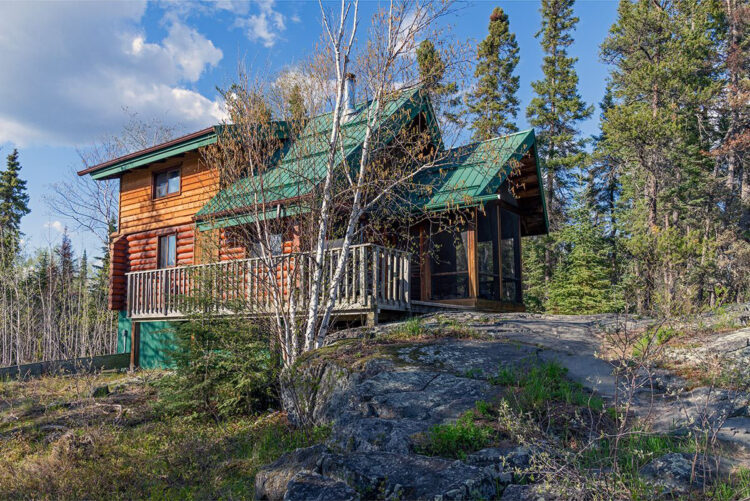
276	241
167	183
167	251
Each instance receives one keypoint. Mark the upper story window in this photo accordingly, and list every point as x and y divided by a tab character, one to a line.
167	183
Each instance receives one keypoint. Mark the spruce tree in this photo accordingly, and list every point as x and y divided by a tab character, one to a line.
66	257
297	109
604	190
582	283
432	76
493	102
555	112
557	108
14	204
432	69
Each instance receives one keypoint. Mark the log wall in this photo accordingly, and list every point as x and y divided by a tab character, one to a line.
138	252
139	211
143	219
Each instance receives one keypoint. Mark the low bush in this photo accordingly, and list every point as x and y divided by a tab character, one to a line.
222	367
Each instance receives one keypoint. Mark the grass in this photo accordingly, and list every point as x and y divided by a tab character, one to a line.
414	329
737	486
532	389
457	439
541	394
58	443
409	330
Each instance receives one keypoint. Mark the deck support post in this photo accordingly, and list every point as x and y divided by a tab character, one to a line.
472	255
424	263
500	251
372	318
135	342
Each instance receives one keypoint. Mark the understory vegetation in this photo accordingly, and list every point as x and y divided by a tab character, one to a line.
59	442
572	437
224	367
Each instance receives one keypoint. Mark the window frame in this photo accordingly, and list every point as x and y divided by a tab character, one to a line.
166	171
160	246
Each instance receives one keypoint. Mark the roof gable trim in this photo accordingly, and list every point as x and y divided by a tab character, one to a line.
160	152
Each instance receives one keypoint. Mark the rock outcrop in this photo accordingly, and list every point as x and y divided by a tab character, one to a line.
378	398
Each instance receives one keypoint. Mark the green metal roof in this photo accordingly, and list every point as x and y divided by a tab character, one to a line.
302	162
469	174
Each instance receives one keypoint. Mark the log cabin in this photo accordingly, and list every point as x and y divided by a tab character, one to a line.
171	201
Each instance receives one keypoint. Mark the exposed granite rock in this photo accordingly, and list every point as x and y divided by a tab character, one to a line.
310	486
377	406
386	475
376	434
380	407
673	473
512	457
314	393
271	480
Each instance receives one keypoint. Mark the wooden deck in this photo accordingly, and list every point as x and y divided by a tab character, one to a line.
376	278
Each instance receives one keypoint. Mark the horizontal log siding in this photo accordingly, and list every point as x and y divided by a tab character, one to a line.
138	252
140	212
118	267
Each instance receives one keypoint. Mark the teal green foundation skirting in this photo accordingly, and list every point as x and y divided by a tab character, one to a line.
156	339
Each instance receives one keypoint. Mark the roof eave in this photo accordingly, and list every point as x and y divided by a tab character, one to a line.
114	168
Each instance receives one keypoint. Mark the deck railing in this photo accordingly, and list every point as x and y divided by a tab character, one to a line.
375	277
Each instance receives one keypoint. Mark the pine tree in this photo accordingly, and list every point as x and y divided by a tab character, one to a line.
493	102
664	77
14	204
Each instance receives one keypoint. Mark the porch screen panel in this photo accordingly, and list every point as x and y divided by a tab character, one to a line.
511	255
487	253
450	264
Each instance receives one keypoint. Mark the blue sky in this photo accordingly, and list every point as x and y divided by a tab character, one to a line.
69	69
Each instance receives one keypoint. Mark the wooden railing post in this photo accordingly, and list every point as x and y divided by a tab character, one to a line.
374	276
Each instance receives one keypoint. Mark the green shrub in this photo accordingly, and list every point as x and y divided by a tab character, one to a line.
485	409
506	376
456	439
653	338
223	367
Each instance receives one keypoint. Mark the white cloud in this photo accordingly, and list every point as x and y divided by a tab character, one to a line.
266	26
316	90
55	225
70	68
